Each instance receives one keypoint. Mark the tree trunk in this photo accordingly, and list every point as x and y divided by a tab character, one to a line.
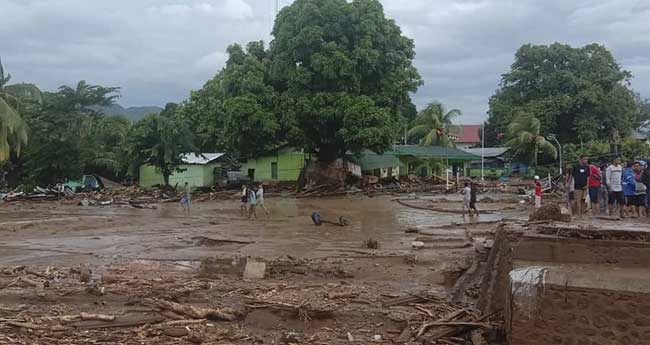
327	152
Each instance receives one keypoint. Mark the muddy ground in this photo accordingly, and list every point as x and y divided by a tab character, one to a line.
321	284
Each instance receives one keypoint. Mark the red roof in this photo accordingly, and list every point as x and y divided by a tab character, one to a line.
468	134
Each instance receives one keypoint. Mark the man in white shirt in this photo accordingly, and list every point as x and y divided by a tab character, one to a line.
614	176
467	197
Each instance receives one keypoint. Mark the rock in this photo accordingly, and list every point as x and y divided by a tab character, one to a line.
417	244
254	270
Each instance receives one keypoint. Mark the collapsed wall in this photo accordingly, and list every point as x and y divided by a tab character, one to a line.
577	286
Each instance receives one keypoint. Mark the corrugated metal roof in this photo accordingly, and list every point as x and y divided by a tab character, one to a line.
422	151
371	161
200	158
488	151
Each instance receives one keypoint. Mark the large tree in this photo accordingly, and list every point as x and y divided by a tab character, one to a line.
577	93
161	140
236	110
330	56
68	135
433	125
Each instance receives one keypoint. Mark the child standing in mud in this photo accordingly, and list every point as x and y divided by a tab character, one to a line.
538	192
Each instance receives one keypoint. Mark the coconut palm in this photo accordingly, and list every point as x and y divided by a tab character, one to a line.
13	130
525	139
432	126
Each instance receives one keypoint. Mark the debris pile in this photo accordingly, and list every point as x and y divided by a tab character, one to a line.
550	212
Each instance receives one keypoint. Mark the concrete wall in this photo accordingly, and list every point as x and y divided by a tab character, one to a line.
195	175
574	315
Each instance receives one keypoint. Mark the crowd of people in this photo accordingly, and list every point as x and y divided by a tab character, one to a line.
608	188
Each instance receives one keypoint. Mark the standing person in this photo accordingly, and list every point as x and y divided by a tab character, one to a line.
472	198
570	188
593	183
243	209
252	204
580	177
260	199
640	190
603	194
614	179
645	178
467	197
186	200
538	192
629	188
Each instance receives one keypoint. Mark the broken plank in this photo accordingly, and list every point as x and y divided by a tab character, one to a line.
120	322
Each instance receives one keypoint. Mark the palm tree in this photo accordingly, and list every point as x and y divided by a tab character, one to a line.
13	130
433	124
525	139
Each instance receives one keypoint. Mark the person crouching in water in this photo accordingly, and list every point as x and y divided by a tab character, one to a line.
538	192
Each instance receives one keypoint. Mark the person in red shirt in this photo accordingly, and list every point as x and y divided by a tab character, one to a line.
593	182
538	192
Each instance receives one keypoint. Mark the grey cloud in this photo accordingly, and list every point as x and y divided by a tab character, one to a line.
158	50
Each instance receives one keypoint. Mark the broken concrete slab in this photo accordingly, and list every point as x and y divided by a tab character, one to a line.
254	269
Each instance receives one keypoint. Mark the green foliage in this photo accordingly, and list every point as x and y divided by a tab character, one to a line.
327	54
69	138
580	94
433	124
336	78
525	140
235	111
632	149
13	130
160	140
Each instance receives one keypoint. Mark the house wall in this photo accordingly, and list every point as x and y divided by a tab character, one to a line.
290	165
194	175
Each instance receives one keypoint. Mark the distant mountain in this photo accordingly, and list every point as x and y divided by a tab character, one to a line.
133	113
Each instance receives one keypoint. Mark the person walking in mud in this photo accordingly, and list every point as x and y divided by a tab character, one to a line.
260	199
467	197
472	199
252	204
186	200
243	209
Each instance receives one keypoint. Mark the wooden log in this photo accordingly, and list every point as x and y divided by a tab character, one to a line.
97	317
122	322
222	314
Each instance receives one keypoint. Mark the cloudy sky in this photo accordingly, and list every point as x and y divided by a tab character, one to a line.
158	50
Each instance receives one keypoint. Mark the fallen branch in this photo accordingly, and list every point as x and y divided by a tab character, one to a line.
449	317
223	314
97	317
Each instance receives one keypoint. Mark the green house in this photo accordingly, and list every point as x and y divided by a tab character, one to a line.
426	160
284	165
199	171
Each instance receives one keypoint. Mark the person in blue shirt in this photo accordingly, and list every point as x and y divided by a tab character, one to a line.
629	187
